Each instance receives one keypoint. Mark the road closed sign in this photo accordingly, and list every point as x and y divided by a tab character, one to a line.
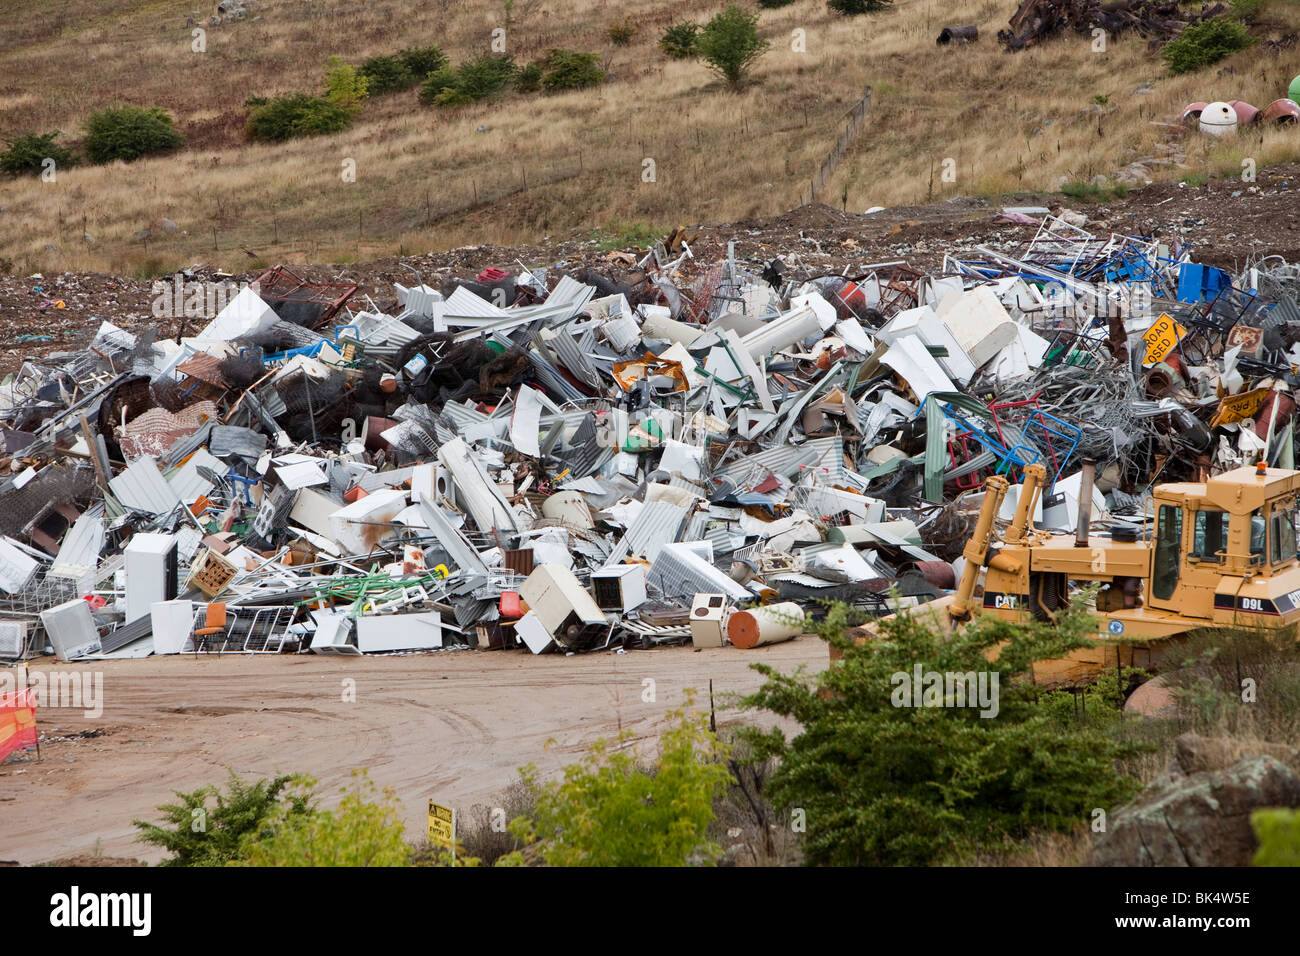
1161	339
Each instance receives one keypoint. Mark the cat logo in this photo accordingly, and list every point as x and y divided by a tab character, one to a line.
1009	601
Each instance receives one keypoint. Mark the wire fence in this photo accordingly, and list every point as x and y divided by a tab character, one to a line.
853	120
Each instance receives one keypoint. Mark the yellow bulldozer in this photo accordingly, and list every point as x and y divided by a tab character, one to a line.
1222	554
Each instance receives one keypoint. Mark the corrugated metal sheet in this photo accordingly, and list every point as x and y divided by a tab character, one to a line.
141	487
678	572
825	454
465	304
82	545
569	291
571	357
657	524
187	481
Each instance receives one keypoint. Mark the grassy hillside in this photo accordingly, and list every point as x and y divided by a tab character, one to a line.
524	167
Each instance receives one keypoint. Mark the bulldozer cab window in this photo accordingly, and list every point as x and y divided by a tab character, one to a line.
1169	546
1209	535
1257	535
1283	535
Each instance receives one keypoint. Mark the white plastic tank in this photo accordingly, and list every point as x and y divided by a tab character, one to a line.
1218	119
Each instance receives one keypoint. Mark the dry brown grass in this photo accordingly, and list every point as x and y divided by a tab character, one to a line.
429	180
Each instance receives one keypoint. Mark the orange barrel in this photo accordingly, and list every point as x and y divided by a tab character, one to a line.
769	624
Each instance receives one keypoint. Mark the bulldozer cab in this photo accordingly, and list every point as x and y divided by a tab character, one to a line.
1227	545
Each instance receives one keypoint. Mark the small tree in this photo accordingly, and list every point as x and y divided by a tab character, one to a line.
200	835
27	154
423	60
344	86
884	780
730	45
287	117
679	40
129	132
609	811
567	70
361	832
1205	43
852	8
387	74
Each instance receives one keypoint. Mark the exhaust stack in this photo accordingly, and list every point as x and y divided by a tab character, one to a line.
1088	475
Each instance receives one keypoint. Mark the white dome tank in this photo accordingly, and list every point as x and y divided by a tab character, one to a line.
1218	119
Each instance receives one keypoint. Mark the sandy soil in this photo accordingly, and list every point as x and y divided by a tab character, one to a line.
454	726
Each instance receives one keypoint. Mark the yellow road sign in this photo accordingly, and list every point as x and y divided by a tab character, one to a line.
1161	338
1237	408
442	825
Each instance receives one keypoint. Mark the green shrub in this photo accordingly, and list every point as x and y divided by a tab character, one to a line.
1203	44
344	86
387	74
567	70
730	44
529	78
298	114
610	811
474	79
1278	832
203	836
27	154
678	41
620	34
451	96
851	8
360	832
423	60
883	782
438	80
485	75
129	132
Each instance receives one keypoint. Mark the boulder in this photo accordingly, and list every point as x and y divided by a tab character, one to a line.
1197	819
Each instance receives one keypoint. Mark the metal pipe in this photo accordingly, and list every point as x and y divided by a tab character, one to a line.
1088	476
995	489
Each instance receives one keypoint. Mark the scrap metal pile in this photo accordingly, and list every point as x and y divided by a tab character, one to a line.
571	462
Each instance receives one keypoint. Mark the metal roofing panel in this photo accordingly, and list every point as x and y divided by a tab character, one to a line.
825	454
141	487
82	545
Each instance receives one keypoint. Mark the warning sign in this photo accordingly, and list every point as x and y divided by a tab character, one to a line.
1237	408
442	825
1161	338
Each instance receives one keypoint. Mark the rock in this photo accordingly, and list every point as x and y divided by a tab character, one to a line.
1194	753
142	234
1073	218
1134	174
1100	181
1202	819
1059	183
1144	88
1153	699
166	225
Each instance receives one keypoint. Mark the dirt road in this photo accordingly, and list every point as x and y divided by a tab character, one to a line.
454	726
